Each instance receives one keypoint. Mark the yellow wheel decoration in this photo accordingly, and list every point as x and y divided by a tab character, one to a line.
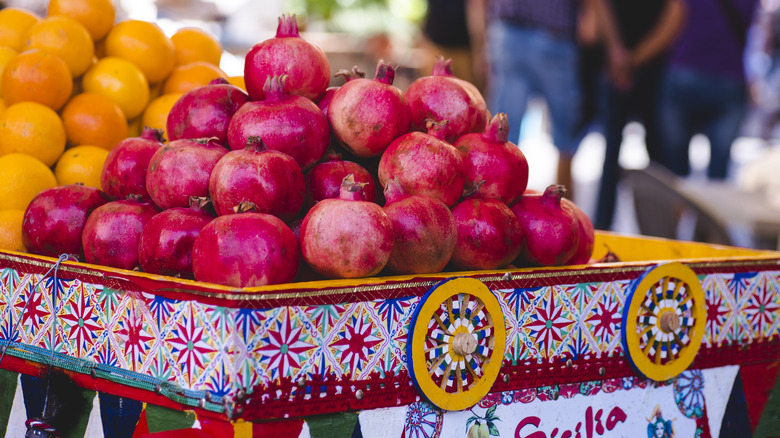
456	343
663	321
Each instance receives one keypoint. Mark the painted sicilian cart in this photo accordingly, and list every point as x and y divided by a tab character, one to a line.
676	339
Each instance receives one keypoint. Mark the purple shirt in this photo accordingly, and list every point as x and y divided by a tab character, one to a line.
708	42
558	17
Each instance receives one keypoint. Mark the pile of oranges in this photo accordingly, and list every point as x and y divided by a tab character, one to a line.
73	84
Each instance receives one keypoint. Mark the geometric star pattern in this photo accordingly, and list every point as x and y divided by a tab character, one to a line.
223	349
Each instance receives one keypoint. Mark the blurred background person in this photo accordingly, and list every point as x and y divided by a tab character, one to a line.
531	49
636	37
704	87
446	33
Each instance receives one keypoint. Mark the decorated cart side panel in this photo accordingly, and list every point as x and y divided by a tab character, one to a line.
338	355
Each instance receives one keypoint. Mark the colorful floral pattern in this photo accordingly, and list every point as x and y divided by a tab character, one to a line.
224	349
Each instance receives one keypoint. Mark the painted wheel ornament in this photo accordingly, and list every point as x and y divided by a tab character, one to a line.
663	321
456	343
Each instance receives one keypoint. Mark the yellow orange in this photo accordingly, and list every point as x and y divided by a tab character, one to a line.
94	119
66	38
32	129
37	76
238	81
3	106
145	45
193	75
23	177
156	114
14	23
11	230
121	81
193	44
6	55
97	16
81	164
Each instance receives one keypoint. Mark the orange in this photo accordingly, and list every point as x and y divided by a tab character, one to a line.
156	114
3	106
66	38
238	81
94	119
33	129
145	45
11	230
81	164
192	44
14	23
193	75
23	177
121	81
37	76
97	16
6	55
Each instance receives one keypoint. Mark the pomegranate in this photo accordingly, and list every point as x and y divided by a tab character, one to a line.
286	123
347	237
424	164
245	250
165	245
323	181
587	235
124	171
181	169
205	112
348	75
287	54
496	167
367	114
305	272
489	235
443	96
424	230
550	227
112	231
271	180
55	218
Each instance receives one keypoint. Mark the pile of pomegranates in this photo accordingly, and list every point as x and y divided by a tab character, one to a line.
296	181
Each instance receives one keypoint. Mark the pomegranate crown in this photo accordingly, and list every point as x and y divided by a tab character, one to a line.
442	67
353	73
394	191
255	144
554	192
152	134
385	73
497	129
351	190
275	87
245	206
436	128
288	26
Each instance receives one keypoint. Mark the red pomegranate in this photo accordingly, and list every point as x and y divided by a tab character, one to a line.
286	123
367	114
124	172
347	237
443	96
323	181
287	54
271	180
550	227
181	169
348	75
112	231
424	164
587	235
205	112
496	167
165	245
247	249
424	230
55	218
489	235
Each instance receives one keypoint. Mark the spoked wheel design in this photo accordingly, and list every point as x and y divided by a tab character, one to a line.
456	343
663	321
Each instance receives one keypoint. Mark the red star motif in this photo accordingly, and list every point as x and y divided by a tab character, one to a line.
547	325
33	311
606	319
356	343
134	336
82	323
